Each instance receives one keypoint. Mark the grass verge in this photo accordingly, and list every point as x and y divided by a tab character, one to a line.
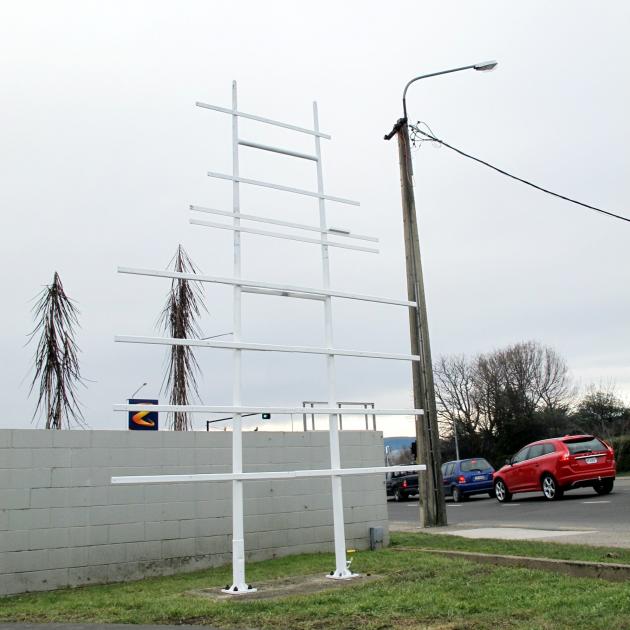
417	591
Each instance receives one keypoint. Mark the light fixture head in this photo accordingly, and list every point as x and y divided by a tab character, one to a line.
486	66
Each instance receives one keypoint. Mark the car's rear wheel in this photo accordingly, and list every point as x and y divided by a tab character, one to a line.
551	489
458	495
501	492
399	496
604	487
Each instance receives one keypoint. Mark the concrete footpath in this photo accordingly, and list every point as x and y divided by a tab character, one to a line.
595	538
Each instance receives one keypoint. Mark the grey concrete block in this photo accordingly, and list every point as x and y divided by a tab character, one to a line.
82	576
213	509
12	498
71	439
29	519
16	458
179	510
21	561
46	580
161	530
52	457
69	516
49	538
4	519
212	545
5	438
178	548
126	532
89	458
144	551
49	497
13	541
107	554
68	557
178	439
88	535
32	438
125	495
112	514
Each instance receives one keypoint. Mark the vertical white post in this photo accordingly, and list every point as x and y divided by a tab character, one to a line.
341	571
238	534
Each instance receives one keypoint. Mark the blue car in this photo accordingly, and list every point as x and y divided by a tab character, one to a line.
465	477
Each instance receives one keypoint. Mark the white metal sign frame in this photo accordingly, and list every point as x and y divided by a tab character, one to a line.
237	345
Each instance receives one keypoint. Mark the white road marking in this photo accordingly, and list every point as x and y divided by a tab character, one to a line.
454	505
510	504
412	504
594	502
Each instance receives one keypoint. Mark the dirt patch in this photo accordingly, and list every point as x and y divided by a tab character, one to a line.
287	587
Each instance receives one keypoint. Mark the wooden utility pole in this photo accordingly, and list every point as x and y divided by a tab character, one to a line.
432	506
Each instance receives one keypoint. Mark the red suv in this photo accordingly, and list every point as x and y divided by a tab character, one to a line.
556	465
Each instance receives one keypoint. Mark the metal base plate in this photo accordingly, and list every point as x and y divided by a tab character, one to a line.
236	590
345	575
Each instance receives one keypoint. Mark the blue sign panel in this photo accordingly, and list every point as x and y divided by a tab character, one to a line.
143	420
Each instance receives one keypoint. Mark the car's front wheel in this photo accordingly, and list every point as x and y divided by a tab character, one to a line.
604	487
501	492
551	489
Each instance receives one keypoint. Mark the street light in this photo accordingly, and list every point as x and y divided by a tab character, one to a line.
432	506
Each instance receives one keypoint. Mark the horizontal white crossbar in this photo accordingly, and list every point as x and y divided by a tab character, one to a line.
178	275
280	411
269	121
290	224
291	294
266	147
265	347
298	191
261	476
288	237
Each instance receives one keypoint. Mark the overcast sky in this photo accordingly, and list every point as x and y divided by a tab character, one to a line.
103	150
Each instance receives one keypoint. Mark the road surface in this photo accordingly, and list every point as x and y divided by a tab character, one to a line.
582	509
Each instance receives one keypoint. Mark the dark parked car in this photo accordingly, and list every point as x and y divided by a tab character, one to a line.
401	485
556	465
464	477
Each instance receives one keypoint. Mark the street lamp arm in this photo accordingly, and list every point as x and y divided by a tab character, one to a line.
426	76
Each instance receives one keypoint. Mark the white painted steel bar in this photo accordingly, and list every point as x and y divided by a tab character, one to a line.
238	520
288	237
261	476
341	565
291	294
297	191
158	273
264	347
299	226
269	121
266	147
317	411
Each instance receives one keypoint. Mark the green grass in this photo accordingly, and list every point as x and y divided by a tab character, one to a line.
560	551
417	590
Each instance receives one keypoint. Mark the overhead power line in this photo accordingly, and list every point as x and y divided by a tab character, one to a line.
416	131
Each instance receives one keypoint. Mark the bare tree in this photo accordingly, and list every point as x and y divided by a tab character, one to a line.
56	363
499	399
183	307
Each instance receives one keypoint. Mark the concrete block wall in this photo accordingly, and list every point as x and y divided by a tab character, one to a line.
62	523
